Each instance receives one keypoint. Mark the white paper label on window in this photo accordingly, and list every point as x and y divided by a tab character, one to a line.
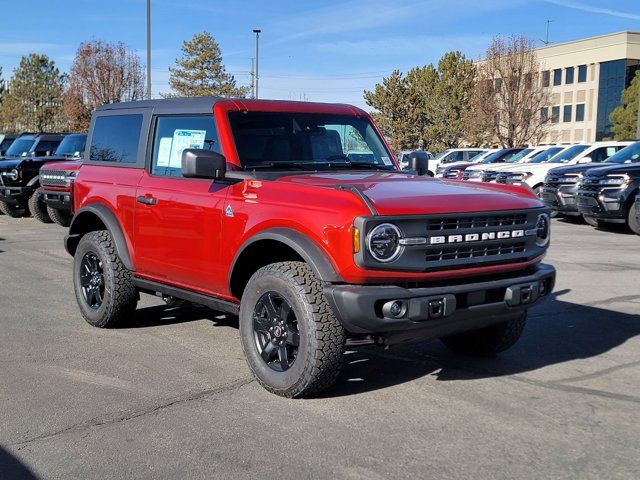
185	139
164	152
387	161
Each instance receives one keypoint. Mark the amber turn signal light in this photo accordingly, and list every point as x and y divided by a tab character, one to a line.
356	240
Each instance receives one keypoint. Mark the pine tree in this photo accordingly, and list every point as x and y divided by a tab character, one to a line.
200	72
33	100
625	117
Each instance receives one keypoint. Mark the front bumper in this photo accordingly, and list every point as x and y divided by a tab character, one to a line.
58	199
561	199
438	311
14	194
606	204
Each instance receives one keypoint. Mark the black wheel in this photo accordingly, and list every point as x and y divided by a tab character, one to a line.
61	217
12	210
632	220
291	339
488	341
38	208
103	287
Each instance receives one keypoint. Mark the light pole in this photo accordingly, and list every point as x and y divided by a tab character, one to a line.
257	32
148	49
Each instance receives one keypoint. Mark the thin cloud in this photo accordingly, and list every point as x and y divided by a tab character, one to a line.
592	9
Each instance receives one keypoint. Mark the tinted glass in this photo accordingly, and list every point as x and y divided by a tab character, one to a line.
569	154
566	114
307	141
19	147
496	156
544	155
557	76
630	154
72	146
457	156
602	153
174	134
568	75
46	147
5	144
614	77
582	73
519	156
555	114
580	112
116	138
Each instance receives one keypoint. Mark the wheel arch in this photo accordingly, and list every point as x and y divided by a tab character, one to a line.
276	245
34	181
98	217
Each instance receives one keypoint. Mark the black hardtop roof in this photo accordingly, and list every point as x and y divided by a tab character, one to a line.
44	135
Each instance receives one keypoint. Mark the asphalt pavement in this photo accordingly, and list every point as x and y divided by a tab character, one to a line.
170	395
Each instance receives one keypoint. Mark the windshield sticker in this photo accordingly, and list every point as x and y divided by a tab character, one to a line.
185	139
164	151
387	161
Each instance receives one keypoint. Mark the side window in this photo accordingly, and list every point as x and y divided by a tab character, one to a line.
46	147
454	157
115	138
174	134
602	153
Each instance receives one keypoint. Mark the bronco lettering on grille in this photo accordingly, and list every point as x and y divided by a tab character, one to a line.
474	237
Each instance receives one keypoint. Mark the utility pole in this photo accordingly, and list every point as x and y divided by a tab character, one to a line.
252	75
546	37
148	49
257	74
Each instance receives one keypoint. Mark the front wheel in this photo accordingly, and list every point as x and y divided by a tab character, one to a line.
60	217
38	208
490	340
103	286
632	220
291	339
12	210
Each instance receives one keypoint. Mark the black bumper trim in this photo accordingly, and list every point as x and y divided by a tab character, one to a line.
475	305
60	200
13	194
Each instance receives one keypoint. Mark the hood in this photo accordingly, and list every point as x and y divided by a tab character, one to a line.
531	167
398	194
490	166
66	165
577	168
619	169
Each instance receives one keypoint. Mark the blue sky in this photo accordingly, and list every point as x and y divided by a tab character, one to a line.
322	51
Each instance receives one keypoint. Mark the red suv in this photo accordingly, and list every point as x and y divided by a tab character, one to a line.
295	217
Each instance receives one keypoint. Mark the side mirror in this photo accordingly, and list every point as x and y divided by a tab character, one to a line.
199	163
585	160
418	161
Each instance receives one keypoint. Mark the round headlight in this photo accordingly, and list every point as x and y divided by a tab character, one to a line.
13	175
543	230
384	242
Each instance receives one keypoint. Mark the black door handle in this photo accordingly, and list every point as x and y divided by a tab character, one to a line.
147	200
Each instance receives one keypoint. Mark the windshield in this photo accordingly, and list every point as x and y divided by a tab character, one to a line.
5	144
630	154
479	156
544	155
307	141
441	154
569	154
71	146
518	156
20	147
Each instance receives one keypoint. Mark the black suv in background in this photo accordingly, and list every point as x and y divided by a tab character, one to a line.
6	139
19	175
607	193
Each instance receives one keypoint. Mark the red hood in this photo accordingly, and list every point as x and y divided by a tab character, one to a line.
67	165
399	194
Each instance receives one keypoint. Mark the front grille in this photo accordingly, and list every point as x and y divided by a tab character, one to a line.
502	178
455	253
489	176
53	178
590	184
479	221
553	180
467	174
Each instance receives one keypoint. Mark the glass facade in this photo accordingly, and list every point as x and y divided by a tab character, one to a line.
615	76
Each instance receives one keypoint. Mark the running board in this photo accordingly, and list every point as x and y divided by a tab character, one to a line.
149	286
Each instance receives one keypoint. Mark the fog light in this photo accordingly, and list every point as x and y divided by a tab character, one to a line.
394	309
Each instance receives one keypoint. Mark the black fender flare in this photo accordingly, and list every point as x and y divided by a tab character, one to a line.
108	218
33	181
310	252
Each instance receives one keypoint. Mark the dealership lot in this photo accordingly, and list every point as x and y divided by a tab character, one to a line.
171	396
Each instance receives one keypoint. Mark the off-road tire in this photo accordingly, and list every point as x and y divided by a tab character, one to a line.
632	221
594	222
11	210
322	338
120	296
38	208
488	341
60	217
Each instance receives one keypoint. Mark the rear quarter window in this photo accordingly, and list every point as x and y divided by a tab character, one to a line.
116	138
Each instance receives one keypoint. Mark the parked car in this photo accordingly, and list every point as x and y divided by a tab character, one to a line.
535	155
19	176
533	175
6	139
606	194
496	157
637	209
56	180
250	210
450	169
32	145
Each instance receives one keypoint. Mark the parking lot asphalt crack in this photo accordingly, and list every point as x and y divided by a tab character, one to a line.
124	417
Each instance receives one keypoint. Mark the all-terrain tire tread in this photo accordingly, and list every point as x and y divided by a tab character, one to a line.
11	211
61	218
37	208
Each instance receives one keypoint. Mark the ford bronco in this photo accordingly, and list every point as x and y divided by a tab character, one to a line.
295	217
56	180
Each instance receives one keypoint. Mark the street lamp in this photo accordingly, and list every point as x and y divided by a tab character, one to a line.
257	32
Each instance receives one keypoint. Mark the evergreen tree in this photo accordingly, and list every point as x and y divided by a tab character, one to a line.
33	100
625	117
200	72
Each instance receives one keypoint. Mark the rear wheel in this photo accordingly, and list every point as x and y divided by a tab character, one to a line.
12	210
488	341
632	220
103	286
291	339
38	208
61	217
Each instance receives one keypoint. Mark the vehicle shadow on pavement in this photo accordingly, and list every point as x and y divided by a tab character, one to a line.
556	332
11	468
159	315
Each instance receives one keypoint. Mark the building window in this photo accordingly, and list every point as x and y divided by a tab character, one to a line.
555	114
566	113
568	75
544	114
614	77
557	76
582	73
580	112
546	78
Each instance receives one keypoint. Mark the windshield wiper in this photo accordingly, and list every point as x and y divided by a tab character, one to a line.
357	164
291	165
